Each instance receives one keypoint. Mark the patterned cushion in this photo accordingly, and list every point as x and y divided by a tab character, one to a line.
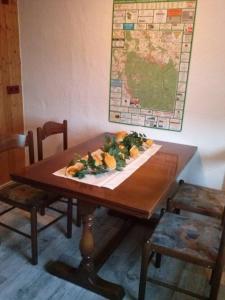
200	199
190	238
24	194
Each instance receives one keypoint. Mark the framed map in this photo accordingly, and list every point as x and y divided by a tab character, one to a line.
151	51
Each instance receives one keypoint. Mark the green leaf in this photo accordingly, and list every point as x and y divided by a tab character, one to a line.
81	174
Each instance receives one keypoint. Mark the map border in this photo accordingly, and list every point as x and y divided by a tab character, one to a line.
189	64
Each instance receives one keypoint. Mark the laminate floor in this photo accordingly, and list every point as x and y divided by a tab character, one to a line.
19	280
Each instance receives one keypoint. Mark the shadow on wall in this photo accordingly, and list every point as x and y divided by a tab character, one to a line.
216	157
224	183
190	175
217	162
76	137
201	165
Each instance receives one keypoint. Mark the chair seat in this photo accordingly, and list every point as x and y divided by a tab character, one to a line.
26	196
189	239
200	200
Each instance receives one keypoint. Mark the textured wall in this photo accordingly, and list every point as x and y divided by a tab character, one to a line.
65	48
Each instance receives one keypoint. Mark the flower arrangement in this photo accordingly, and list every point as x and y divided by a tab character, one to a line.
112	156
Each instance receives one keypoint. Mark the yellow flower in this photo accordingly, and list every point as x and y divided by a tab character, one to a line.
98	162
148	143
121	147
97	156
122	155
72	170
134	152
120	136
85	157
110	161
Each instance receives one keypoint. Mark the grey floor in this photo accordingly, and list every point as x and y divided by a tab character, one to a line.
19	280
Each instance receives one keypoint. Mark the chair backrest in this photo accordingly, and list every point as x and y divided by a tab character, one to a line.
48	129
13	141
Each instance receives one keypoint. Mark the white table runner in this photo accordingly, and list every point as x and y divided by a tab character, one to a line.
112	179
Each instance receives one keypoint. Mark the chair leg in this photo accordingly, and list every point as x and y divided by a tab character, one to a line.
69	218
42	211
215	284
34	243
177	211
171	208
168	205
162	212
211	277
78	221
144	268
158	259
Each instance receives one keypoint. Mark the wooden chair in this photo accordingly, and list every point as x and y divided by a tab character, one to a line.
26	197
191	240
48	129
198	199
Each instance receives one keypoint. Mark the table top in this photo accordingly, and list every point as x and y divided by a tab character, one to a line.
138	195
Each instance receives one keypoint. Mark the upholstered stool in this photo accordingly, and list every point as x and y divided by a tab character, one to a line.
198	199
191	240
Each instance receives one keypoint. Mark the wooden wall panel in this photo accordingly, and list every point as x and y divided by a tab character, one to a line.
11	106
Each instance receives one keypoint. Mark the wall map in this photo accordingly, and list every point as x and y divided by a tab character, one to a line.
151	49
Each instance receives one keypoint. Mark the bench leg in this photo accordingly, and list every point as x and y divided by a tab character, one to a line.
34	243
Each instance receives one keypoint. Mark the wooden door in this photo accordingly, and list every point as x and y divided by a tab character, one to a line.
11	105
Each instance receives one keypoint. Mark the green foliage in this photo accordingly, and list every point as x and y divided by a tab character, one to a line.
95	169
110	144
113	148
81	174
120	151
134	139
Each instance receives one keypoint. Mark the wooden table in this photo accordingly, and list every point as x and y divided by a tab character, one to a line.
137	196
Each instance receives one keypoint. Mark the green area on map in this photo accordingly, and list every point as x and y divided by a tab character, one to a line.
146	1
153	84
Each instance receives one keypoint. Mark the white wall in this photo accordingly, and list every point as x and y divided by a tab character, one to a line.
65	50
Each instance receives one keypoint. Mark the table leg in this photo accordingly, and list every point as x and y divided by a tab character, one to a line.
85	275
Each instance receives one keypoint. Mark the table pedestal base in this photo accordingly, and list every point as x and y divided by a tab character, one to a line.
86	274
87	280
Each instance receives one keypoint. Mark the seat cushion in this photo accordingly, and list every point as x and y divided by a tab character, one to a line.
24	195
191	239
200	199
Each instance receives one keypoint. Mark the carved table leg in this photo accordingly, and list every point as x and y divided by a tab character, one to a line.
87	239
85	275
